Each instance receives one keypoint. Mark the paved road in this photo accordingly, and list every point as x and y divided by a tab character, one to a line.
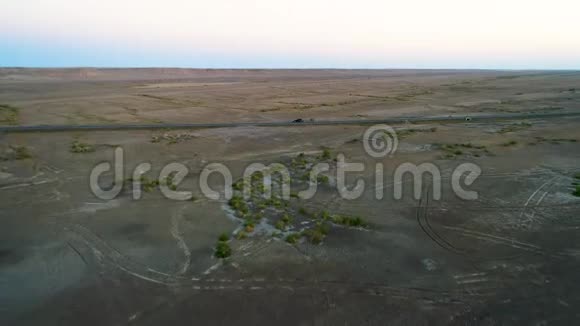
400	120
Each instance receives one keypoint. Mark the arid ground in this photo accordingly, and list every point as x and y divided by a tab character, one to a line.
511	257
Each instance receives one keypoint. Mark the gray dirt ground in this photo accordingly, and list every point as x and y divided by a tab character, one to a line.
509	258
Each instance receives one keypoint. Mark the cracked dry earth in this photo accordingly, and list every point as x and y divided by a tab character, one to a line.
511	257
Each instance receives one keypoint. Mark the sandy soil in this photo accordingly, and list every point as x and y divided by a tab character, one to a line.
511	257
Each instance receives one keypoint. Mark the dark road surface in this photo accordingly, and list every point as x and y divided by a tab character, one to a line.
400	120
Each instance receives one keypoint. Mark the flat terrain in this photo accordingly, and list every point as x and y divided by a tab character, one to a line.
511	257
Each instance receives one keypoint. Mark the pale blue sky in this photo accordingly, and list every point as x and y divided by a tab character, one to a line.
503	34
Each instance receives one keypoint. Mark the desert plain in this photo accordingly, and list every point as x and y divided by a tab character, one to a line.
509	257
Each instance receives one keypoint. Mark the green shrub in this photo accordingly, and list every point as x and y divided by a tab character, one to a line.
280	225
224	237
286	219
222	250
283	223
17	153
314	236
260	188
323	228
277	234
292	238
257	176
322	179
277	203
238	185
249	226
238	204
576	191
324	215
148	185
78	147
352	221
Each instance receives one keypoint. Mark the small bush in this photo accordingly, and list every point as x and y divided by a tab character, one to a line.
222	250
324	215
315	236
239	205
223	237
293	238
78	147
277	234
257	176
576	191
148	185
322	227
349	221
325	154
249	226
238	185
16	152
286	219
284	222
280	225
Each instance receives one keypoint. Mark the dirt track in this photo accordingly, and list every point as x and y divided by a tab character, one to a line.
391	121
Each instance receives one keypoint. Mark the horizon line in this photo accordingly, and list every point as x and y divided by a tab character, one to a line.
282	68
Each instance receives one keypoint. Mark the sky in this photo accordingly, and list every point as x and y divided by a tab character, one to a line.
481	34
